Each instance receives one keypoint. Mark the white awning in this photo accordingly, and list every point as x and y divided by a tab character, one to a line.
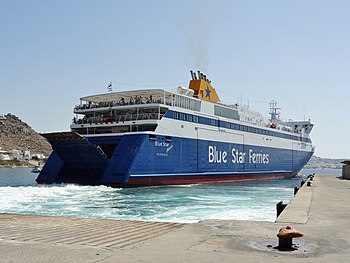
117	96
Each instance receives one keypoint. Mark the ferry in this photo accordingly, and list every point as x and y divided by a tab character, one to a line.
152	137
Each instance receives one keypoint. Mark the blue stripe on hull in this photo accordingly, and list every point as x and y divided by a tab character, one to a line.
143	156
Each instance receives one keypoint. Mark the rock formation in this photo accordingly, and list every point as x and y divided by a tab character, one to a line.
16	134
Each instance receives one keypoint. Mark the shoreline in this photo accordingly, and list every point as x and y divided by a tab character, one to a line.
16	166
21	164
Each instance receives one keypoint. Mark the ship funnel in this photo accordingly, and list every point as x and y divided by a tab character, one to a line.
202	88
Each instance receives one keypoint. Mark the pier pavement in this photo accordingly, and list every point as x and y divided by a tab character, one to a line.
320	211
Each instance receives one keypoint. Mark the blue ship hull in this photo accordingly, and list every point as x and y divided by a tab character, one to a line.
141	159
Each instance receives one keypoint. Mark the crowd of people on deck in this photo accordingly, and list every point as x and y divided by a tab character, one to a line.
122	102
117	118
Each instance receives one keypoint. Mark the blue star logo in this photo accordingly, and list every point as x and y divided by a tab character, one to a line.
207	92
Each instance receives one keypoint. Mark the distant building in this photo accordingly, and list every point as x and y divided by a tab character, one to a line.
38	156
5	156
26	155
20	155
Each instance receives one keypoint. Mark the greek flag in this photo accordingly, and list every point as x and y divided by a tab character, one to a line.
109	87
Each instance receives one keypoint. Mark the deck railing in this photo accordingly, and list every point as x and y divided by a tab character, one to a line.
118	104
118	119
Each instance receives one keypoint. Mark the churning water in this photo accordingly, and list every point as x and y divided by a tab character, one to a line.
19	193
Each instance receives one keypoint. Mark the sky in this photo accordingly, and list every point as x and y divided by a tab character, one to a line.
296	52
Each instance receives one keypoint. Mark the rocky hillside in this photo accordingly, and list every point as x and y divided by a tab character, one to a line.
16	134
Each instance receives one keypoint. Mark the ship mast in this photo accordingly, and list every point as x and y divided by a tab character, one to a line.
275	115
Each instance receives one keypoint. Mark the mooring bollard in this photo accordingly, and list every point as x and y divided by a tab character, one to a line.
285	238
311	177
280	207
296	189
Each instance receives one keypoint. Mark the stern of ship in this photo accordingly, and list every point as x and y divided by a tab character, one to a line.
89	161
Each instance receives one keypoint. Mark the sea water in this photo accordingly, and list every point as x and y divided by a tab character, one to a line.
19	193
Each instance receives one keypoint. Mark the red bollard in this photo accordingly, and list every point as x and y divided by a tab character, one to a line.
285	237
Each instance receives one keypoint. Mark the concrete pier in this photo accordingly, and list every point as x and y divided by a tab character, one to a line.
320	211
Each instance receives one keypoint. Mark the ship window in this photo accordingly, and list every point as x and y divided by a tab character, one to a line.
152	137
225	112
186	103
168	138
189	117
